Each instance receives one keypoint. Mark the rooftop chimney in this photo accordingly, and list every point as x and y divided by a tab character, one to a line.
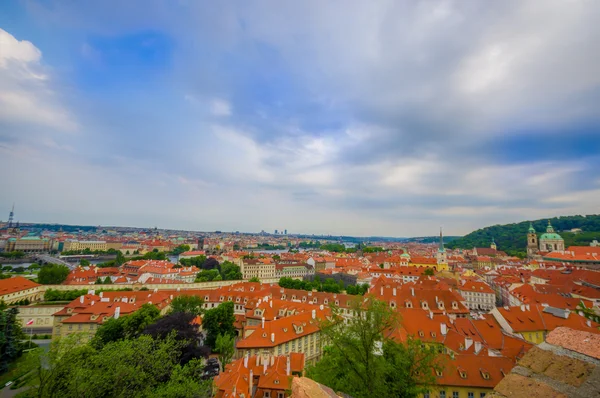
265	363
272	337
381	291
523	307
412	291
246	359
271	304
444	329
478	347
393	291
257	360
250	380
288	366
263	322
314	314
81	299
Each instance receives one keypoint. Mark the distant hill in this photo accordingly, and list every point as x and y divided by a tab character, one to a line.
432	239
512	238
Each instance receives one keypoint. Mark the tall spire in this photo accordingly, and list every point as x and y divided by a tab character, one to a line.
11	216
441	247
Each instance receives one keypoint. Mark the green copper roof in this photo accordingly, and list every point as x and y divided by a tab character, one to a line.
531	229
551	236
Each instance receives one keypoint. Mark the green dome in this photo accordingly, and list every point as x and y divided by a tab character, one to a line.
551	236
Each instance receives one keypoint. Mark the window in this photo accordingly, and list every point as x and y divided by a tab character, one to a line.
267	394
454	394
442	394
426	394
471	394
280	395
481	395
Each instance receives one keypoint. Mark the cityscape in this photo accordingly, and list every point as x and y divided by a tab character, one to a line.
318	199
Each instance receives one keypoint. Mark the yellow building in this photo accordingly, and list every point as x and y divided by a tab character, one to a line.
93	245
17	288
41	315
28	244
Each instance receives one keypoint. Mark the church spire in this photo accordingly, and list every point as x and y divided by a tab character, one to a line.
441	247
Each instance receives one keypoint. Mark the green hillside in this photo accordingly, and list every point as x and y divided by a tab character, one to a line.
512	238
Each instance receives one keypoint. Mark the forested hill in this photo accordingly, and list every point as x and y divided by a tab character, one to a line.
512	238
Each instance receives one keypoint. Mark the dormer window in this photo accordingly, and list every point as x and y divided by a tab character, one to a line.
337	302
221	298
304	299
485	375
283	296
424	305
454	305
463	374
276	381
408	304
206	298
237	300
433	334
421	334
393	304
439	373
325	301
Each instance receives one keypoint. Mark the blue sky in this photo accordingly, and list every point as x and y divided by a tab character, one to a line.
342	117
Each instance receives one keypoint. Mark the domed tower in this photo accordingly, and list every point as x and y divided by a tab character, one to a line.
551	241
493	245
532	241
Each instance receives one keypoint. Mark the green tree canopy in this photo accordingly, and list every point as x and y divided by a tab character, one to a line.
53	274
188	304
141	367
254	279
230	271
217	321
361	360
125	327
225	346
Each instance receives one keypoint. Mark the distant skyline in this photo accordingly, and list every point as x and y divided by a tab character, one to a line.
354	118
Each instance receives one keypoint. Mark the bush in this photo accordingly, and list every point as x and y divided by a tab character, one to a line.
34	337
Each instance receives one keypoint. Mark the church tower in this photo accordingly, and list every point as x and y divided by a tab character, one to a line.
493	245
442	259
532	241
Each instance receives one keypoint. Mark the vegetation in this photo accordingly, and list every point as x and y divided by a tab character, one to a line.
140	367
360	359
118	261
194	261
218	321
180	249
373	249
226	271
10	337
225	346
125	327
187	304
70	295
254	279
13	254
53	274
512	238
328	285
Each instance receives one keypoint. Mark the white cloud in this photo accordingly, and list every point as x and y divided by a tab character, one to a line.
26	94
219	107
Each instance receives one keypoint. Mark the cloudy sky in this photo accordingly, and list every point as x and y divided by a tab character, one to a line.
343	117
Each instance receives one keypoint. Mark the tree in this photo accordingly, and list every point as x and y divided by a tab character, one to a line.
53	274
217	321
10	337
207	275
254	279
125	327
84	263
276	257
429	271
225	346
181	326
180	249
188	304
138	367
230	271
99	281
210	263
360	358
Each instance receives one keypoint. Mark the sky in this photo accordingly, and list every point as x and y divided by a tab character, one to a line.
387	118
